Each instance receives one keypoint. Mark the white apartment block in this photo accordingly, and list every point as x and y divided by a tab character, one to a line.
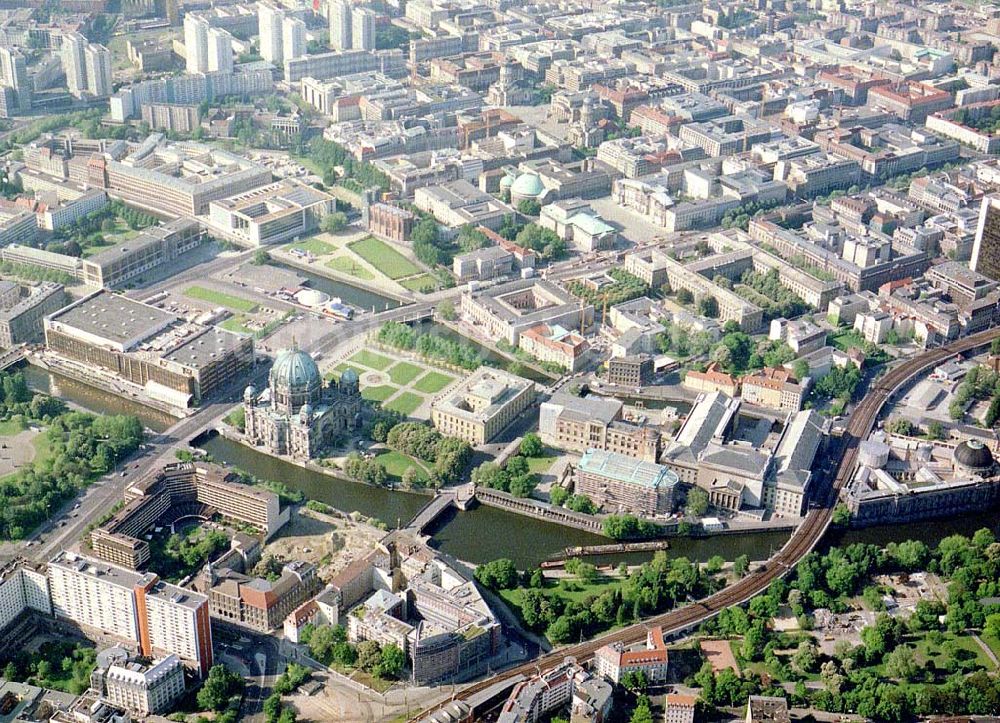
137	607
340	25
22	587
362	29
195	43
220	51
97	59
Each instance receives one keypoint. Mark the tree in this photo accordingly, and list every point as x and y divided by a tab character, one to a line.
806	656
901	664
708	306
369	655
446	310
529	207
392	663
531	445
635	680
497	574
697	502
334	222
220	687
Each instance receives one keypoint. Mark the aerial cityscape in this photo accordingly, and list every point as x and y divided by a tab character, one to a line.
440	361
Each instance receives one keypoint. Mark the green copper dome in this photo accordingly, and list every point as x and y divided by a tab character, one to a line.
527	185
295	370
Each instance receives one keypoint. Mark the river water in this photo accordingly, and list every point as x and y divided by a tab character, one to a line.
483	533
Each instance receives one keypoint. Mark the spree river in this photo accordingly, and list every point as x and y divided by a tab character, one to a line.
483	533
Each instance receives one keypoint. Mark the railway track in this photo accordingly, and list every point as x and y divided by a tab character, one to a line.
803	540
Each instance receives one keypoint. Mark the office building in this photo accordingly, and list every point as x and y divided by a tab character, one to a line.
162	355
143	689
986	249
270	214
74	64
137	608
482	406
620	484
196	43
445	627
588	696
154	500
257	603
23	309
773	388
635	370
577	424
220	51
97	59
144	254
340	24
363	29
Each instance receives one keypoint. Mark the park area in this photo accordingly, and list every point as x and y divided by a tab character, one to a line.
365	258
402	386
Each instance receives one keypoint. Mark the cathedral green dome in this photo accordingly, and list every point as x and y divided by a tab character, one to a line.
295	370
527	185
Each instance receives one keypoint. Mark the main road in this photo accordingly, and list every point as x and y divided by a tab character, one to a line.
802	541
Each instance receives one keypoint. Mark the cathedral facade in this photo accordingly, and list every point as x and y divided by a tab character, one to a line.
298	415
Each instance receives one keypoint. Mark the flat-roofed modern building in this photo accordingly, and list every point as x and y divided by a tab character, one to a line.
147	252
22	312
271	214
617	483
482	406
173	360
160	497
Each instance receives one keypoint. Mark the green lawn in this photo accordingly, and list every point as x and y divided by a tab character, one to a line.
313	246
43	447
346	265
541	465
433	382
371	360
406	403
404	373
965	643
419	283
384	258
847	338
378	393
12	427
237	324
218	298
396	463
